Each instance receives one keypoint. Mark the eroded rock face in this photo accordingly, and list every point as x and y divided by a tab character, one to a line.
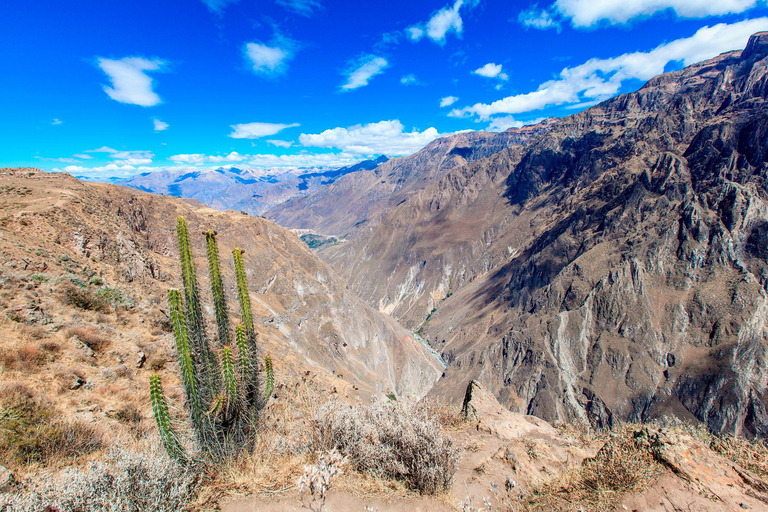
640	288
613	268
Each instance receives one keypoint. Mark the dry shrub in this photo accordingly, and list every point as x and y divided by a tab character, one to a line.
82	298
124	480
90	336
447	416
34	332
391	441
24	357
157	363
30	431
620	467
50	346
750	454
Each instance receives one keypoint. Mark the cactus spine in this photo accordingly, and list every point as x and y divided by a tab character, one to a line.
222	391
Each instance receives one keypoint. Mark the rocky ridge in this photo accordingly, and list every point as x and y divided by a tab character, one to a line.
613	268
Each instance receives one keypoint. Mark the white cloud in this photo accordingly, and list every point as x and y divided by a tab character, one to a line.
270	60
56	121
232	157
589	13
130	82
414	33
80	155
104	171
301	7
194	158
409	79
444	21
491	70
448	101
122	157
541	19
256	130
280	143
599	79
440	24
159	125
363	70
303	159
382	138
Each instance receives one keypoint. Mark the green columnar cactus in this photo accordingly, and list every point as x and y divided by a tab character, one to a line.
194	313
269	381
222	391
251	382
217	287
160	408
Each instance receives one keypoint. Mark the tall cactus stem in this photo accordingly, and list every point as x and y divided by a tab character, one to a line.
160	409
217	287
269	381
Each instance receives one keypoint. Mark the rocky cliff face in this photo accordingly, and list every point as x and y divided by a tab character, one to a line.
53	225
614	268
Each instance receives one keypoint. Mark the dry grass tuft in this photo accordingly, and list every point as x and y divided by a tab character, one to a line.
90	336
25	357
752	455
82	298
31	432
620	467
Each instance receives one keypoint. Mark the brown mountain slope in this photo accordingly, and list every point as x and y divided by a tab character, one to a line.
360	197
613	268
58	234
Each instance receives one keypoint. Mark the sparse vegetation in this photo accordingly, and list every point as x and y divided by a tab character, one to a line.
90	336
31	432
391	441
82	298
124	480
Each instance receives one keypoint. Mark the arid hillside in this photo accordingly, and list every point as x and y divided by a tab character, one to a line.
612	268
84	308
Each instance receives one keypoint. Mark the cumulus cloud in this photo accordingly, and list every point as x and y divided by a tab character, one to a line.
541	19
599	79
194	158
409	79
234	156
56	121
589	13
362	70
448	101
382	138
443	22
304	8
159	125
272	59
256	130
491	70
103	171
130	82
123	157
280	143
414	33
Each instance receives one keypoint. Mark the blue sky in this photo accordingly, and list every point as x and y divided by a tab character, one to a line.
104	89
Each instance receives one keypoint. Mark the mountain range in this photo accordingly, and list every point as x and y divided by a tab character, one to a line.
608	266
